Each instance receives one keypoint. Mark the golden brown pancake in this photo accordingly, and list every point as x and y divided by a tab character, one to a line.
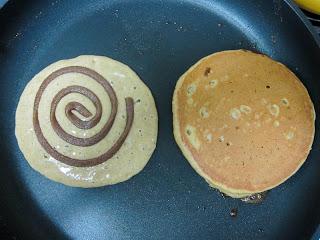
244	121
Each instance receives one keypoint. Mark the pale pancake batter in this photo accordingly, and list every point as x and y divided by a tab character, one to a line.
87	122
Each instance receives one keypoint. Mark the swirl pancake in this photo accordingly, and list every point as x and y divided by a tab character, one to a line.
243	121
87	122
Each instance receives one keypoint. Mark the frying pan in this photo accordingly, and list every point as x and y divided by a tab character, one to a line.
159	39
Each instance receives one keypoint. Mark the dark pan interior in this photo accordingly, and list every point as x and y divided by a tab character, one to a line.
159	40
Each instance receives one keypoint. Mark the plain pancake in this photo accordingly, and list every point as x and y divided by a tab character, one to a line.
244	121
135	109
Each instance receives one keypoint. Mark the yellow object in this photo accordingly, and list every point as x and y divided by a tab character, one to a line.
310	5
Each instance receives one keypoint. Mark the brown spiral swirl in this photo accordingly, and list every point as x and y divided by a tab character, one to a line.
82	124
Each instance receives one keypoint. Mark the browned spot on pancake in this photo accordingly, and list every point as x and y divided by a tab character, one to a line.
207	71
285	101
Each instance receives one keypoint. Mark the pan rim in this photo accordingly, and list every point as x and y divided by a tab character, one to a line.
291	6
304	20
295	8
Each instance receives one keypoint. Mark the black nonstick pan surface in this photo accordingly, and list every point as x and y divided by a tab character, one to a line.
160	40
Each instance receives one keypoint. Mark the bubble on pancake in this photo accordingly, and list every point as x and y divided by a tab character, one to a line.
289	135
192	88
273	109
208	137
285	101
245	109
235	113
276	123
221	139
191	134
213	83
204	112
